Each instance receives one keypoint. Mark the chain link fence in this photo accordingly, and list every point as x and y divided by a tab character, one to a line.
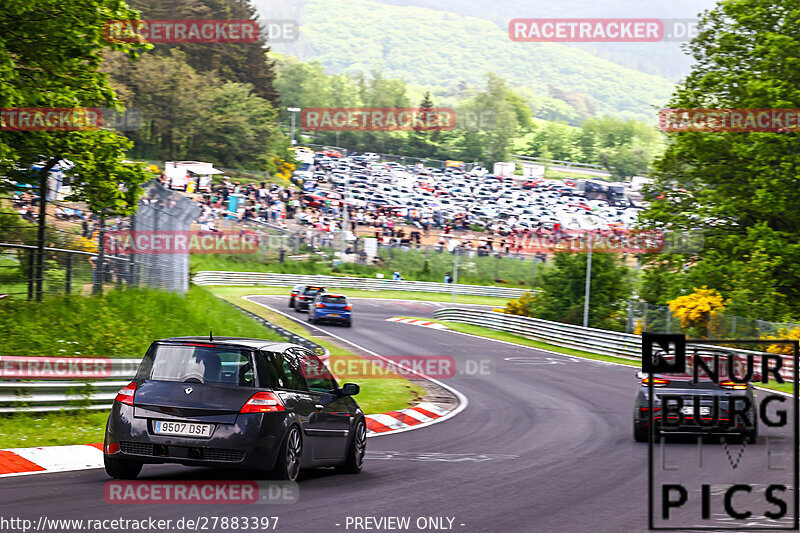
643	316
161	211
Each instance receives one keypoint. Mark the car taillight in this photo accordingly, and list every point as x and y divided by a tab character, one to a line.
657	382
348	307
302	297
644	409
263	402
319	305
125	394
731	385
112	448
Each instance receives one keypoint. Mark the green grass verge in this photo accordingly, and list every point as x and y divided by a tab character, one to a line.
121	323
376	396
52	429
231	291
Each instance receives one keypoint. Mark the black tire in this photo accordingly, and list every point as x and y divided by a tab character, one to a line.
287	466
121	468
751	437
639	434
357	450
348	324
311	319
291	303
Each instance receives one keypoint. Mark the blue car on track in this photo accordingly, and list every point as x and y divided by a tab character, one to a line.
328	307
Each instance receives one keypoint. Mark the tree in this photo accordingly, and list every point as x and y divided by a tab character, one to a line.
236	62
562	296
169	93
34	72
422	142
739	189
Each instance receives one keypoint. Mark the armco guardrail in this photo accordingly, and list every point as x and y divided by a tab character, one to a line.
58	395
592	340
214	277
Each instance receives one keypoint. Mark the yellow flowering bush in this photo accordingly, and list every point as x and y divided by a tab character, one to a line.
85	245
694	310
285	168
783	334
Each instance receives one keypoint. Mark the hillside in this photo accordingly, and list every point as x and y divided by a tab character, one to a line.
446	51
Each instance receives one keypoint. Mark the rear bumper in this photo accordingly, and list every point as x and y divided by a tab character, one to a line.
342	318
247	443
690	427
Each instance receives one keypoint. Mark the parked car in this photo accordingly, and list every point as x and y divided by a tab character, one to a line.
306	296
234	402
331	308
293	295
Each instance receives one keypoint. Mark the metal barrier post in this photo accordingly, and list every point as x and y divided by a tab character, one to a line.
31	273
68	280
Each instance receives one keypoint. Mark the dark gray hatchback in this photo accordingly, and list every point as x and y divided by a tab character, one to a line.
234	402
723	406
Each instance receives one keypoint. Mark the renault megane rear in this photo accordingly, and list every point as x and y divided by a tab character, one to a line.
234	402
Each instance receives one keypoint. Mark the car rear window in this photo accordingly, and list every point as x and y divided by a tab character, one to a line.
198	363
334	300
722	370
311	291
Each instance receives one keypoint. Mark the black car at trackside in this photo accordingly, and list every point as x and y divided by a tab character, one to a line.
708	406
234	402
293	295
306	296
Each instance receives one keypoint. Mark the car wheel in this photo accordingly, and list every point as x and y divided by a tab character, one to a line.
121	468
358	449
639	434
311	318
291	303
752	436
348	324
288	464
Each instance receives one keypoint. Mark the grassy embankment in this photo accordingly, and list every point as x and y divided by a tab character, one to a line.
122	324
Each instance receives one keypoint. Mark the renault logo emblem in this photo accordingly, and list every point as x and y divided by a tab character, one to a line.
188	390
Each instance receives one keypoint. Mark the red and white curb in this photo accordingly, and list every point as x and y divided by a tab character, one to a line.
43	459
404	418
22	461
417	322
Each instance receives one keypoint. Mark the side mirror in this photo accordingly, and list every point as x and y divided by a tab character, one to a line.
350	389
640	375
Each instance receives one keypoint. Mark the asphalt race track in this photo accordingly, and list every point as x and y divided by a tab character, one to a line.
544	445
